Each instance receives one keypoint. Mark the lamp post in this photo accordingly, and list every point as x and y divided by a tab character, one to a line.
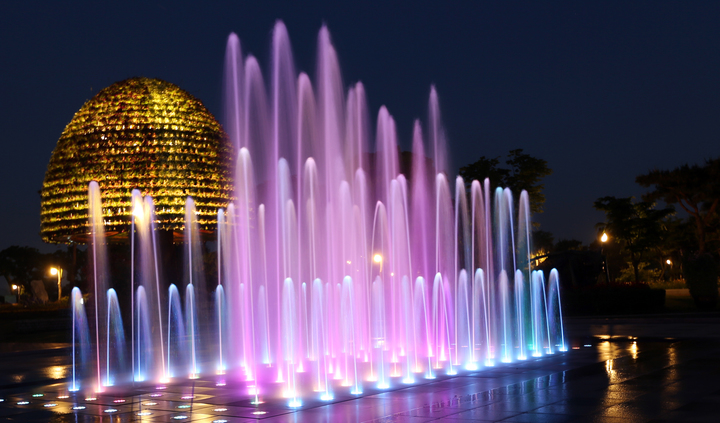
17	293
378	259
57	271
604	239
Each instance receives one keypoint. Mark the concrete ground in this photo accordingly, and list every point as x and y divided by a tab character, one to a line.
661	368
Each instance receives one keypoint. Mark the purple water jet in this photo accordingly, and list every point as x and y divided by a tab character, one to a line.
338	274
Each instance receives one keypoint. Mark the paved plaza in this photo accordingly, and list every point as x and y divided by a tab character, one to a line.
663	368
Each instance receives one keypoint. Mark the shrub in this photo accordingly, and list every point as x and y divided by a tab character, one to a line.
671	284
614	299
701	276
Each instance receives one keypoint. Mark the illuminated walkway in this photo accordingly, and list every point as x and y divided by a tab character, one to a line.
607	377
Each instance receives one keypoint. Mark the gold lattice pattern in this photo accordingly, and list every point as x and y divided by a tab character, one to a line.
139	133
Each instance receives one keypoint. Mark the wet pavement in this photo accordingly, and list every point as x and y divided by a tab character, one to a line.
625	369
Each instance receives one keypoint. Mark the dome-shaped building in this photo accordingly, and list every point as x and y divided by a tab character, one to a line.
144	134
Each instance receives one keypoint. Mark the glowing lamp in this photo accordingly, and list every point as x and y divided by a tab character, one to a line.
57	272
138	211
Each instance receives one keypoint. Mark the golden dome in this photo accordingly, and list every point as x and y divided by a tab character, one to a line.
139	133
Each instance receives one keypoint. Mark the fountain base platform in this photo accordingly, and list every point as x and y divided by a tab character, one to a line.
602	378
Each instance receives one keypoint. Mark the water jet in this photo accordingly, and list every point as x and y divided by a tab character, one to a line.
337	274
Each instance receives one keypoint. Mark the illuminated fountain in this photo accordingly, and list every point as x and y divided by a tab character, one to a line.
337	274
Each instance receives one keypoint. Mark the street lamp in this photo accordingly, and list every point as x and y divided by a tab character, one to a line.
138	211
17	293
378	259
604	238
669	273
57	271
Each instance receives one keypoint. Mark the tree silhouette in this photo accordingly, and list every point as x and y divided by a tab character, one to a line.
694	188
20	265
524	172
638	226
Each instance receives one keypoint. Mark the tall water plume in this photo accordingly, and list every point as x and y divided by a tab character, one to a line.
98	255
337	274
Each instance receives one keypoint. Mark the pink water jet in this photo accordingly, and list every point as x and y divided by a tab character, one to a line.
337	273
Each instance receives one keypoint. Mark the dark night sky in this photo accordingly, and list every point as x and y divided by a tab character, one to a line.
601	90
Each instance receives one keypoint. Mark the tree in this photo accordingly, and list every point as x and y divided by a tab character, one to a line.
485	168
638	226
20	265
569	245
543	242
694	188
524	172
